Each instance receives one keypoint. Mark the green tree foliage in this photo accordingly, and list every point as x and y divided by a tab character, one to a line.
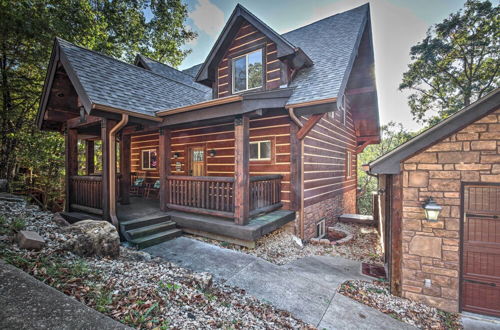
393	134
119	28
457	62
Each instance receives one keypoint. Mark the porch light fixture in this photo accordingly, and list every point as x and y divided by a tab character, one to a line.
432	210
176	155
212	153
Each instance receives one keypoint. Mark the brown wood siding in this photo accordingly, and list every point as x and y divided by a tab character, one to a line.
325	158
246	40
274	126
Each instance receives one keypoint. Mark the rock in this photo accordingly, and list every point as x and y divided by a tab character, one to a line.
30	240
203	280
4	238
314	241
92	237
59	220
297	241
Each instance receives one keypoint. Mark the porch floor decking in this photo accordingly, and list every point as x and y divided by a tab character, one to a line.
198	224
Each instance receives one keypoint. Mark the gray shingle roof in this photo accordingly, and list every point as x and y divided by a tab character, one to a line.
117	84
193	71
172	73
331	43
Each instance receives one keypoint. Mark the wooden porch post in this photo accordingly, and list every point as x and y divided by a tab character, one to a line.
89	157
125	168
241	170
164	153
106	126
71	162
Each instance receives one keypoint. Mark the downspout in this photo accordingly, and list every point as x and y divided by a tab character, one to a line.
301	213
112	168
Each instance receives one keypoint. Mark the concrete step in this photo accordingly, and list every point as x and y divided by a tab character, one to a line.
357	218
143	222
152	229
146	241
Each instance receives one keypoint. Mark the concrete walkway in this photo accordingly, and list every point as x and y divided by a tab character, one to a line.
29	304
305	287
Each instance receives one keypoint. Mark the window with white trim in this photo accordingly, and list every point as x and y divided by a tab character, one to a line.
348	164
247	71
260	150
149	159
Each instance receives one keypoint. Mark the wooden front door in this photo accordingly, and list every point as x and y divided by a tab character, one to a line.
481	250
197	161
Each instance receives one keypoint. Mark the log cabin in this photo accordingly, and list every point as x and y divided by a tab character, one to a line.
263	134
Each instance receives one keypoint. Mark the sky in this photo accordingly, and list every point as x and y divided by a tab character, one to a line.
397	25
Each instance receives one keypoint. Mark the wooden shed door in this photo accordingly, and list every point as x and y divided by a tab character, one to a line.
481	250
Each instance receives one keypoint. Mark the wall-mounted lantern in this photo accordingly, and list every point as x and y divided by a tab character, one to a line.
432	210
176	155
212	153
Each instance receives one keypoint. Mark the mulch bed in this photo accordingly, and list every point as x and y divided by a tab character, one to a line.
376	294
135	289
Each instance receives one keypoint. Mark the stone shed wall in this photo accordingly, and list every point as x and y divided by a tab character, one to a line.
431	250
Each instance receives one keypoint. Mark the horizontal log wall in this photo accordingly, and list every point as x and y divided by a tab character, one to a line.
248	39
274	126
325	158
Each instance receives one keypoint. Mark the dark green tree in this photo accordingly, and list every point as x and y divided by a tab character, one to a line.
393	134
119	28
457	62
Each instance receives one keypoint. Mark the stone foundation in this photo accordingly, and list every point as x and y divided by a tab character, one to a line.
328	209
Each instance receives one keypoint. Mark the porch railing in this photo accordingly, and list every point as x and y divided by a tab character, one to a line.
201	194
86	193
265	193
214	195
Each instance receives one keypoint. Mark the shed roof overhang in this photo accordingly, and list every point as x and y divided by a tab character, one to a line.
285	49
227	107
390	163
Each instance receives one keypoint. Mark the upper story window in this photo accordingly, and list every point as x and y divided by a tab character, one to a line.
247	71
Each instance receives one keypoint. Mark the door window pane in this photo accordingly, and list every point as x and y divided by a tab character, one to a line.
197	155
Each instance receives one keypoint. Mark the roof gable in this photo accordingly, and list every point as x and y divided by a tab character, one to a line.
332	45
240	14
390	162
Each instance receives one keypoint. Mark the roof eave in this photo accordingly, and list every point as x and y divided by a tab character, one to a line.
390	163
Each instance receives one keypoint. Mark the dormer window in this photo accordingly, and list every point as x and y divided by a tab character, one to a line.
247	71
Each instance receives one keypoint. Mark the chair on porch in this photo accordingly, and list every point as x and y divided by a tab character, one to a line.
152	188
138	184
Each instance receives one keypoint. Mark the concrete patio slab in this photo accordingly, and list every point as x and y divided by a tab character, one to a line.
345	313
480	322
202	257
305	287
29	304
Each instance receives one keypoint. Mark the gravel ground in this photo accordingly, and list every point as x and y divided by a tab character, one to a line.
376	294
134	289
280	247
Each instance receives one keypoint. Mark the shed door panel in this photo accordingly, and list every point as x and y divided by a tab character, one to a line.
481	250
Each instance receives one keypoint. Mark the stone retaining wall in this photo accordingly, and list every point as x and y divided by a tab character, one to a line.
431	249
